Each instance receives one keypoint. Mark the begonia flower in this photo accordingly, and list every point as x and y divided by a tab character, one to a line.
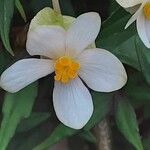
67	53
141	16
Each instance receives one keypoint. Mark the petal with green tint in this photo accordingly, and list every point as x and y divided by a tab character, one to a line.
48	16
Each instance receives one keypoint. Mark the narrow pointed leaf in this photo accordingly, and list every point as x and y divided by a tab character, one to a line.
6	14
127	123
21	10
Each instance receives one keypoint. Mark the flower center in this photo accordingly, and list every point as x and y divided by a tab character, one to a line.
146	10
65	69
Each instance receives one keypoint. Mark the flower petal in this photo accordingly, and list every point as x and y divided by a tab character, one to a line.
82	32
24	72
72	103
101	70
135	16
46	41
128	3
133	9
143	26
48	16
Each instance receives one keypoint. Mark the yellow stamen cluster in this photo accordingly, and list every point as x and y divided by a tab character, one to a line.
146	10
65	69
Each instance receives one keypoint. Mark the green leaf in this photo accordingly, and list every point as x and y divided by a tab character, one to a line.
117	40
34	120
146	143
4	59
16	107
102	105
137	88
119	15
6	14
113	6
143	54
28	140
146	111
88	136
140	93
127	123
20	9
58	134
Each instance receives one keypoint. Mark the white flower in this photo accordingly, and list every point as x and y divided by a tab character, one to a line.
67	55
141	16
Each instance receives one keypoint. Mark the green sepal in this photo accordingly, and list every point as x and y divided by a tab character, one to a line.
48	16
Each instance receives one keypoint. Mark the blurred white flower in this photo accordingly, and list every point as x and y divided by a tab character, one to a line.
66	54
141	16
